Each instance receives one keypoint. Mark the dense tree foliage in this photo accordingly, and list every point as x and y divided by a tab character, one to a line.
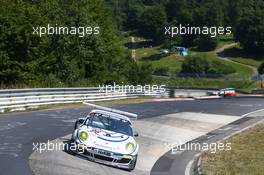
53	59
244	16
153	20
250	30
261	69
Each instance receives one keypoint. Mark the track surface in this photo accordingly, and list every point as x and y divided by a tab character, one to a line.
156	136
19	131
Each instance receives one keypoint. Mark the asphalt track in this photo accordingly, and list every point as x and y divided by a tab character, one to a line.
18	131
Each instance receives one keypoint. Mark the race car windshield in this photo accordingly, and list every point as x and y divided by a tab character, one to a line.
110	123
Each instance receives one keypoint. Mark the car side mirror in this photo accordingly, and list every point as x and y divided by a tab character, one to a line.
136	134
81	120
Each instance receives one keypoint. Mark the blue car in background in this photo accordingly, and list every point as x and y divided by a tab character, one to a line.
182	50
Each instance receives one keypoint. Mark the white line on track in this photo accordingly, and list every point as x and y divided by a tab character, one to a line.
190	163
244	115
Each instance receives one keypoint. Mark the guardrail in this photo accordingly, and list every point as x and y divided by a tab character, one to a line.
258	91
21	99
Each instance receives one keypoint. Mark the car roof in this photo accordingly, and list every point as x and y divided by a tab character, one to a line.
111	114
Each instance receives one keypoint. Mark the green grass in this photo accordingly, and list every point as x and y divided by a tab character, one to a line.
242	72
247	61
174	62
238	55
224	40
246	156
126	101
152	55
146	52
240	79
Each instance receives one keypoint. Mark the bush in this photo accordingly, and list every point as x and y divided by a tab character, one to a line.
206	43
140	73
195	65
162	71
145	73
261	69
203	66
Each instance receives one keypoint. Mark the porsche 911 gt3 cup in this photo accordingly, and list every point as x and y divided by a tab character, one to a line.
106	137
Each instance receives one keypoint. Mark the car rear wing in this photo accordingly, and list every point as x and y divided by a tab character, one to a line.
112	110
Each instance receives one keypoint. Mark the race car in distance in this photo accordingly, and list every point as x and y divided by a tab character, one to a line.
228	92
106	137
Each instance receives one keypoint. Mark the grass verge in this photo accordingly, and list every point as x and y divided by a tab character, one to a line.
246	156
126	101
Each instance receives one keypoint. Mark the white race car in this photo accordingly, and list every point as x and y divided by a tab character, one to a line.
106	137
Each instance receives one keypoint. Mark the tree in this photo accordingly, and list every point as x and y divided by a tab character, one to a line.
261	69
133	12
195	65
19	49
140	74
261	72
179	11
52	60
251	26
206	43
152	23
203	64
234	13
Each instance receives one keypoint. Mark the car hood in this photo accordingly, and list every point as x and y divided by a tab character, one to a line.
107	140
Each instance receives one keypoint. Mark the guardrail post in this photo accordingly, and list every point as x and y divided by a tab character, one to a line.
171	93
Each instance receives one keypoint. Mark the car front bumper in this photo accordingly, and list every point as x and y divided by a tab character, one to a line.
105	157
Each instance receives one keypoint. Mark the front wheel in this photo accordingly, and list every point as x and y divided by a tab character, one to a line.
133	164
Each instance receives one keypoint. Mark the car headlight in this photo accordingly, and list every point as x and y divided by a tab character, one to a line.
130	147
83	135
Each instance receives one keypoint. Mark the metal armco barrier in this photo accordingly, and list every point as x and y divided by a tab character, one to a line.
21	99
